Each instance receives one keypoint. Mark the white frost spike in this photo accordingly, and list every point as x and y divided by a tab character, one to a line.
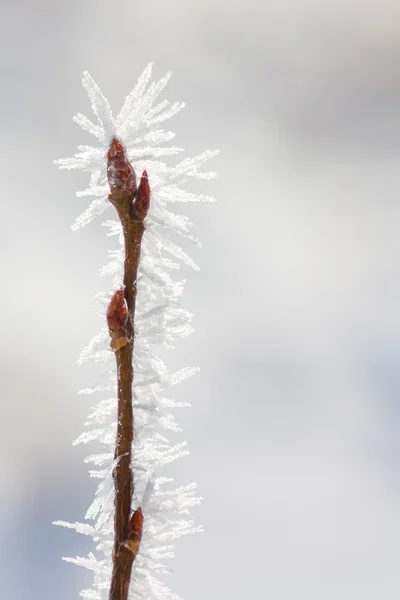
100	106
87	125
132	98
159	320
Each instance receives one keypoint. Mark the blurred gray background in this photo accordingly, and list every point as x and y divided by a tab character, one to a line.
294	430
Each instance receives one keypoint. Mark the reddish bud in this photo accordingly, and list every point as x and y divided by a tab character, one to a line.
142	202
135	530
120	173
135	527
117	312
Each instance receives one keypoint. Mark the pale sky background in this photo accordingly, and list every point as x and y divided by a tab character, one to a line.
294	430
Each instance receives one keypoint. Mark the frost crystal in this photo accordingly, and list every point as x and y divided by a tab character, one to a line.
159	319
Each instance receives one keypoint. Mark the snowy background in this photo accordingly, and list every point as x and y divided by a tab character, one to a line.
294	429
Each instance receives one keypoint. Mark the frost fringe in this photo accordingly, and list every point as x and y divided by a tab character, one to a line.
159	319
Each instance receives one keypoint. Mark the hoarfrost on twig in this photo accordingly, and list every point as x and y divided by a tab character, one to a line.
159	320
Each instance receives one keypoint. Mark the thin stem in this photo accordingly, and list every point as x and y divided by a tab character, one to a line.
127	527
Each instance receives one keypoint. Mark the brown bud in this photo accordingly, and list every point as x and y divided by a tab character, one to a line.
135	526
135	530
142	202
117	312
120	173
117	319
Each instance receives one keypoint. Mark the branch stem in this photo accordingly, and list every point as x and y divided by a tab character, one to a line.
123	556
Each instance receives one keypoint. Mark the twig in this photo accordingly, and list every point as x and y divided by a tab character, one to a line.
132	204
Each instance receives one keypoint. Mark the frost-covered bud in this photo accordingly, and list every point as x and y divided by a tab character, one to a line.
120	173
142	202
117	319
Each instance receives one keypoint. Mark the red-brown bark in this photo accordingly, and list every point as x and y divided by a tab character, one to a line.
132	205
